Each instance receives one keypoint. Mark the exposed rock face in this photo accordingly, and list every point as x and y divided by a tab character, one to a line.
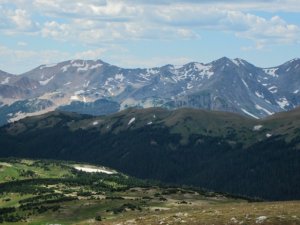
96	87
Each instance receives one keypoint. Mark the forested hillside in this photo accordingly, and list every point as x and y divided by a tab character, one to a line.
218	151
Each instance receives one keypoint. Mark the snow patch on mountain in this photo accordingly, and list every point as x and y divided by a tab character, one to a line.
145	76
152	71
131	121
205	70
271	71
79	92
5	81
90	169
65	68
189	86
259	95
283	102
293	60
77	64
120	77
268	135
257	127
248	113
83	68
48	66
45	82
92	67
246	85
258	107
74	98
238	62
273	89
86	84
110	91
78	97
21	115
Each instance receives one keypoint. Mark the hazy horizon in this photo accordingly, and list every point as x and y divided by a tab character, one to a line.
141	67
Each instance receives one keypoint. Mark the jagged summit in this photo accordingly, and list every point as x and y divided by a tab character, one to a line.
96	87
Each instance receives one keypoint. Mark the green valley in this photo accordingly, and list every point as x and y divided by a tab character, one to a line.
42	192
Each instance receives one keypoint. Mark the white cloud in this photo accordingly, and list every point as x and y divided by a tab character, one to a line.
90	22
22	43
12	57
21	19
187	34
107	10
56	30
244	5
14	21
245	25
274	31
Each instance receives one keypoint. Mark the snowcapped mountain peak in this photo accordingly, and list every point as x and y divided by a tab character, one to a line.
294	60
96	87
239	62
76	63
177	67
293	64
222	60
225	62
82	65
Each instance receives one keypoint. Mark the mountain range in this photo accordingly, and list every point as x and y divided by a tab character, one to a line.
219	151
98	88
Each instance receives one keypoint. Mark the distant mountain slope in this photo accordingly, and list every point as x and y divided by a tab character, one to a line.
87	86
216	150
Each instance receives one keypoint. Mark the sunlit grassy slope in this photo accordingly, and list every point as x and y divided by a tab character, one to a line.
52	192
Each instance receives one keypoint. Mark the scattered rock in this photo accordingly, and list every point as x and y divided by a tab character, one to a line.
260	219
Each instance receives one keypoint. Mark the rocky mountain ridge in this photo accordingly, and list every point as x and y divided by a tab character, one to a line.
98	88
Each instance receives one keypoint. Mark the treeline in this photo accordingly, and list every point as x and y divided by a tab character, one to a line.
9	215
98	182
267	170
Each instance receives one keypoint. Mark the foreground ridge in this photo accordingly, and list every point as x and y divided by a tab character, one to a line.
52	192
219	151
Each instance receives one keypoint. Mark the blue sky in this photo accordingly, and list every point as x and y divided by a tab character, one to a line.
147	33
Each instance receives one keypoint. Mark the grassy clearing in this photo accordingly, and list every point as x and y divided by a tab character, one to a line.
29	169
57	194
